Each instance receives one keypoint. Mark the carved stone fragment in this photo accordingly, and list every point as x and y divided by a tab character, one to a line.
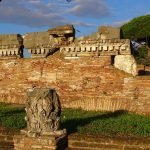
43	111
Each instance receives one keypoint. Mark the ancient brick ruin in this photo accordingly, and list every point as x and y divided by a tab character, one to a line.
42	44
106	42
97	72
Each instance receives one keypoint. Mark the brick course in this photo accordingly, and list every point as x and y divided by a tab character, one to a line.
90	83
88	142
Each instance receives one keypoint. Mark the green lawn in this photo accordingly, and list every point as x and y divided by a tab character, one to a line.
87	122
12	116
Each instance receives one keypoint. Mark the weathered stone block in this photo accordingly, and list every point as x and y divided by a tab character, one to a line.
126	63
108	32
43	111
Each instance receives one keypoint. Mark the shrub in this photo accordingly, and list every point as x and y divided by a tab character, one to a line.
141	56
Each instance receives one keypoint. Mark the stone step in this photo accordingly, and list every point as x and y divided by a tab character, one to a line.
93	146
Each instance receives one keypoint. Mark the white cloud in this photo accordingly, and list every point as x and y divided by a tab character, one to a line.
29	12
120	23
36	13
89	8
83	24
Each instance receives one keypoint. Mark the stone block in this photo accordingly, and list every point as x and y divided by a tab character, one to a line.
78	49
83	49
94	48
10	39
36	39
108	32
105	48
54	142
111	48
126	63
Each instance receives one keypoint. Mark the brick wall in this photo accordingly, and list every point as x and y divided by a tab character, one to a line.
90	83
55	142
6	138
87	142
137	91
10	138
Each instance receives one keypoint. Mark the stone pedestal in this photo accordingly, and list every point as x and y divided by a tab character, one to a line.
43	122
54	141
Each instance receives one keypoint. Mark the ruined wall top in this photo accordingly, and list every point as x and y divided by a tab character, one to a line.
41	44
105	42
11	46
108	32
36	39
67	29
11	39
96	48
104	33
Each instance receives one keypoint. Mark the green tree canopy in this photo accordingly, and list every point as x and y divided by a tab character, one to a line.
137	28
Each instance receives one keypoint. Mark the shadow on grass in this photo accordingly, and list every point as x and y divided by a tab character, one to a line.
73	124
12	117
11	112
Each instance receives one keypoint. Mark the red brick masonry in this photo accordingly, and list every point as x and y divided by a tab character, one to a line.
78	142
90	83
88	142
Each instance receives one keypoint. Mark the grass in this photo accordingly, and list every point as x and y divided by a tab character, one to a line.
119	123
12	116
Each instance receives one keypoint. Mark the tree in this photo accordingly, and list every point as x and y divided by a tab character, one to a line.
138	28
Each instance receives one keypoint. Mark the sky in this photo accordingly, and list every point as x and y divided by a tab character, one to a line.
22	16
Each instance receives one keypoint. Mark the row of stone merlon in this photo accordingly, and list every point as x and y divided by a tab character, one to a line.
39	50
40	43
109	41
95	48
9	52
112	49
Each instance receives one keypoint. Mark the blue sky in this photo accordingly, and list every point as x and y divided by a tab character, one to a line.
21	16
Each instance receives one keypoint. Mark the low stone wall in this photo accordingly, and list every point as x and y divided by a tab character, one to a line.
6	138
87	142
75	142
